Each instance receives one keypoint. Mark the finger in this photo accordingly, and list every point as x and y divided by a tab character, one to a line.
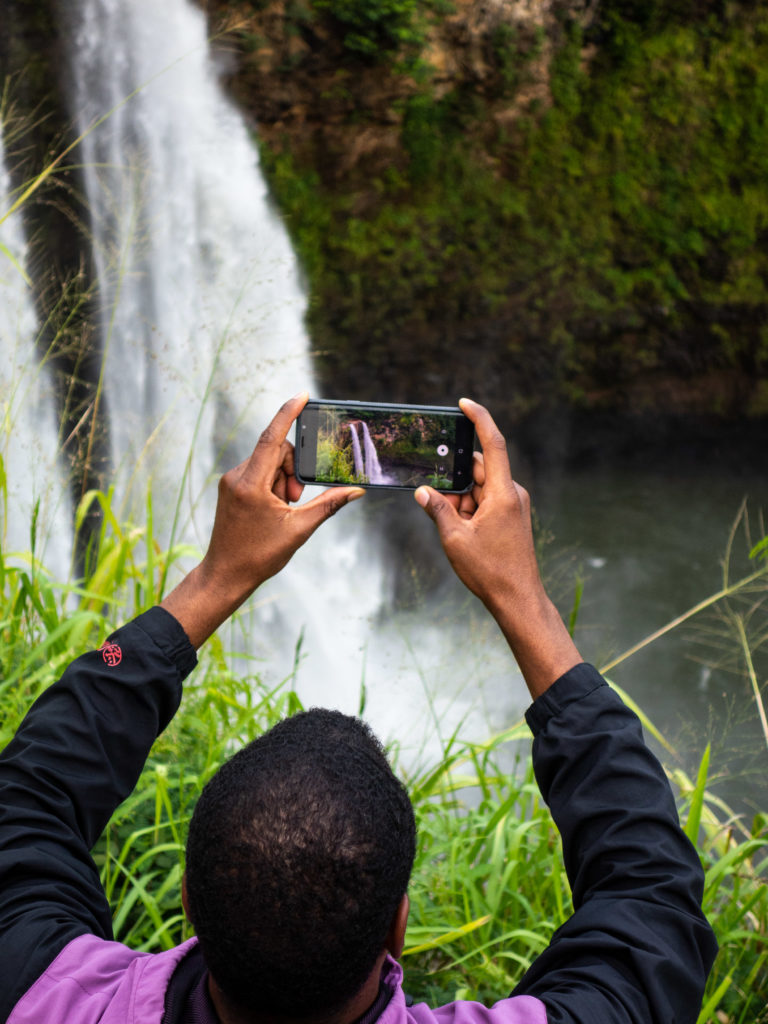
284	472
288	456
453	499
294	489
495	458
268	453
478	468
280	485
285	466
468	505
523	498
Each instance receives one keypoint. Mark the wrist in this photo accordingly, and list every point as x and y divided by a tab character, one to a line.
537	636
203	601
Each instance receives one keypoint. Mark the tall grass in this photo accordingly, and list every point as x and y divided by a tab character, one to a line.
488	888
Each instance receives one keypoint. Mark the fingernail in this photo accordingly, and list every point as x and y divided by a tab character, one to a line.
421	496
300	394
355	495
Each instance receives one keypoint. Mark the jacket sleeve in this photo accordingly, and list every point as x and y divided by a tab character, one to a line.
637	947
77	754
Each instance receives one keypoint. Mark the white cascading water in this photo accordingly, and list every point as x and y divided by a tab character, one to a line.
28	435
372	464
357	453
203	315
201	299
366	459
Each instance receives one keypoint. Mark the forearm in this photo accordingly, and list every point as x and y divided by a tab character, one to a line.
200	605
638	947
537	636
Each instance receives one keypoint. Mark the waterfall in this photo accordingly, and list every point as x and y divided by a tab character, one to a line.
366	461
28	435
372	465
202	305
203	316
357	454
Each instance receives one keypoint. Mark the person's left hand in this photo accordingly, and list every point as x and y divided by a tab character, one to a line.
255	531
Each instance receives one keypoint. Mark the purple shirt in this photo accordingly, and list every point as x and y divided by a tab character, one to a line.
97	982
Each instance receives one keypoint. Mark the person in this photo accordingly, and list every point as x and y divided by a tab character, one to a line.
300	848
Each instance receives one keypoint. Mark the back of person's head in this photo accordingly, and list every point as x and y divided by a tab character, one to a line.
299	852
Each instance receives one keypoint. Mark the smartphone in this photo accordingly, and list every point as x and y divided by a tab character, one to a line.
373	444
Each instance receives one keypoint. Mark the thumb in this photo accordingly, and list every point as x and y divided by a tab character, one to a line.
324	506
437	508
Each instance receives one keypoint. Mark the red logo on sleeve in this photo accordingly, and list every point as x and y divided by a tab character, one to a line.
112	654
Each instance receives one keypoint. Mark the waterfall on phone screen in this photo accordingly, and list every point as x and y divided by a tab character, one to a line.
372	465
30	475
357	455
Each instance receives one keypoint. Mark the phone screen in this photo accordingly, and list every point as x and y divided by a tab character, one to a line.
377	445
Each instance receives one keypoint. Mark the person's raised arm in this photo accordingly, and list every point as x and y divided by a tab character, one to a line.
486	535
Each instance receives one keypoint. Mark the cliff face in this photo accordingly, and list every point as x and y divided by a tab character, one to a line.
293	68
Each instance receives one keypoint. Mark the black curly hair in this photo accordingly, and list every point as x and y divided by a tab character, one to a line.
299	852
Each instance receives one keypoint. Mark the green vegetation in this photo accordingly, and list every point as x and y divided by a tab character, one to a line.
334	463
436	479
377	29
488	888
617	235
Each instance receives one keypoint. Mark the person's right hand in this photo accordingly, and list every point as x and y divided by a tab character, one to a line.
486	533
487	537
